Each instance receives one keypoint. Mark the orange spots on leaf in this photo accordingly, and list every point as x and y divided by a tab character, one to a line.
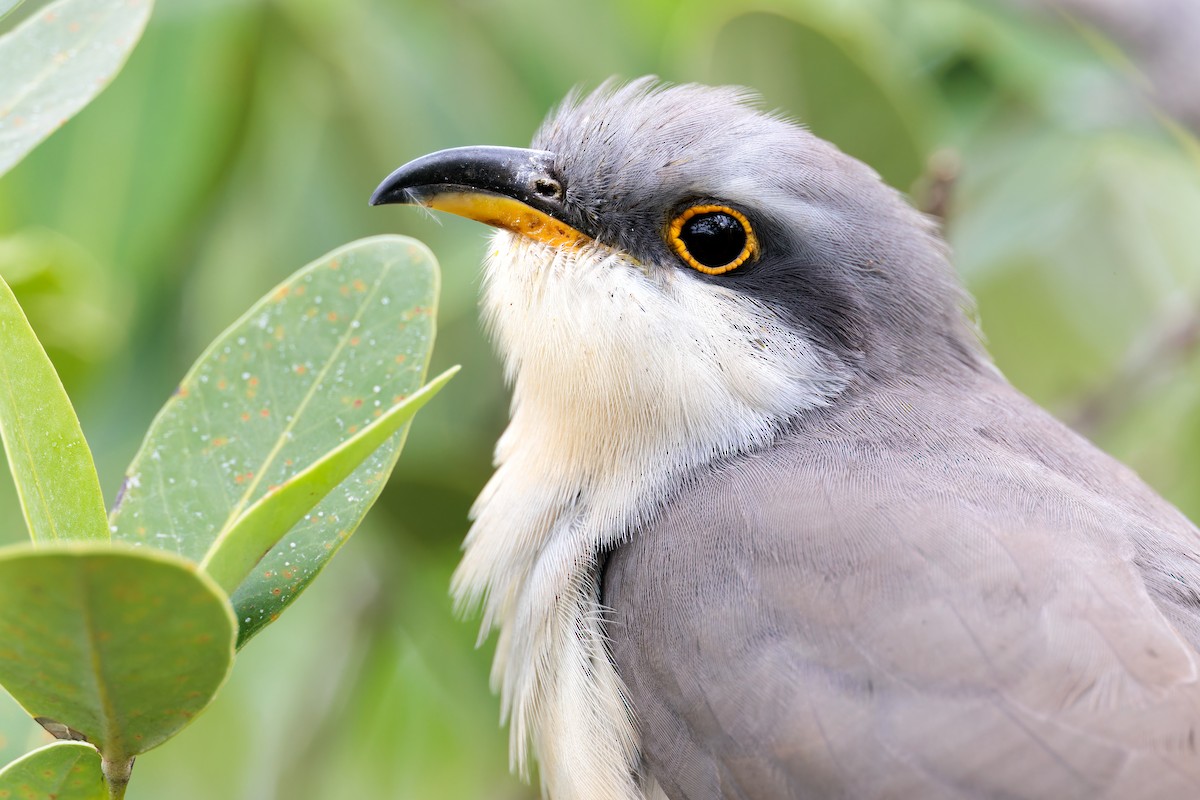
245	416
281	293
73	27
277	591
300	369
400	359
335	264
220	441
300	290
332	316
266	412
253	381
354	341
222	385
357	402
359	286
352	429
268	574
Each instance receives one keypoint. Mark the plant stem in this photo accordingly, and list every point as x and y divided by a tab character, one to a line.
116	777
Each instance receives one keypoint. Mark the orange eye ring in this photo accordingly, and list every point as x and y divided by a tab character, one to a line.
716	229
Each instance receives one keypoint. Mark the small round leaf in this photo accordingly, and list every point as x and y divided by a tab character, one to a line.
123	646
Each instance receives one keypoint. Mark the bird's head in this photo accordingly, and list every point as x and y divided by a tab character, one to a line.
677	246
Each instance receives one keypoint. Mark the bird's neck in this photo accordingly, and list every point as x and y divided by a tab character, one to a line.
613	405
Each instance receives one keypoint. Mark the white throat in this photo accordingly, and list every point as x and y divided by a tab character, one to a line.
625	378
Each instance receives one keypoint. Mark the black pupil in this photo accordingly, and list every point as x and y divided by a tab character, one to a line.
714	239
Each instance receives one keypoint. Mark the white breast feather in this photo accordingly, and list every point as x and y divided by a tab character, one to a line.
624	378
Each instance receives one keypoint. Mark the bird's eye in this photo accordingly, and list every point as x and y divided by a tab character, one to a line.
713	239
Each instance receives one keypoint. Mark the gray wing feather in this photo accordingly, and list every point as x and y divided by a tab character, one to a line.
915	596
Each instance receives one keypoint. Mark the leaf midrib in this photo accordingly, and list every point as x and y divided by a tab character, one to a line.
99	681
283	438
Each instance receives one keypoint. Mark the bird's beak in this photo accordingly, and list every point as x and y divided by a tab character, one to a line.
507	187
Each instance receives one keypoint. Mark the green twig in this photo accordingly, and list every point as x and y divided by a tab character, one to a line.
116	777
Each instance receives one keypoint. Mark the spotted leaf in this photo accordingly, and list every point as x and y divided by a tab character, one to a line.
333	349
254	533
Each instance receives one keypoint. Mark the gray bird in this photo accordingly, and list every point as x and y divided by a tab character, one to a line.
767	522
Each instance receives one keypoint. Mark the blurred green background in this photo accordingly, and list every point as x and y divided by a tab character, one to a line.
244	137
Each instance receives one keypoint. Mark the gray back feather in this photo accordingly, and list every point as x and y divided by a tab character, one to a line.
928	592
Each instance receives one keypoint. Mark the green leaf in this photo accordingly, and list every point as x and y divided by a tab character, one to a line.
58	771
243	544
326	353
49	458
123	646
66	54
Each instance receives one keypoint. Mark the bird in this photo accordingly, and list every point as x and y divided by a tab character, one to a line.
767	521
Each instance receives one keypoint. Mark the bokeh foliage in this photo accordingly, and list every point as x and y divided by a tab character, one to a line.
252	132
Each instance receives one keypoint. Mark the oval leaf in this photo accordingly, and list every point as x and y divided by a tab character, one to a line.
56	62
123	646
58	771
49	458
312	364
